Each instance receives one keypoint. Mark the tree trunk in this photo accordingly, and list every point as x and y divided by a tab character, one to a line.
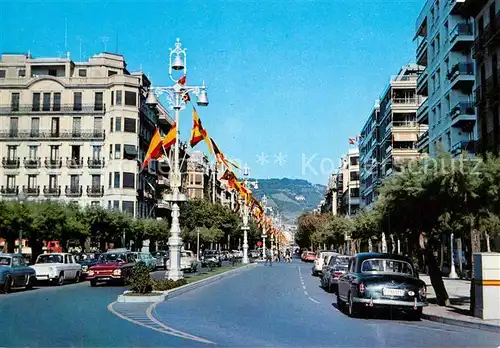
475	239
9	244
436	278
441	262
487	237
459	251
36	249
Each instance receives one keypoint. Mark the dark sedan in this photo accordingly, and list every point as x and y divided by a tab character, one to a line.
87	260
381	280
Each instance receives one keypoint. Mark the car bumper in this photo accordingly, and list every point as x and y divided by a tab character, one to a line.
45	277
389	303
104	278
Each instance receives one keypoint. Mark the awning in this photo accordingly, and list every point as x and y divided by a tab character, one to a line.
130	151
400	136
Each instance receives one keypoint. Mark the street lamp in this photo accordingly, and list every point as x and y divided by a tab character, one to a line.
174	94
246	213
21	198
264	236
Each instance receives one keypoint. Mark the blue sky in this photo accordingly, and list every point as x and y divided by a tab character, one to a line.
290	77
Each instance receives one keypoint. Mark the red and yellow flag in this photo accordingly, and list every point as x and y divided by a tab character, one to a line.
198	133
170	138
219	156
154	150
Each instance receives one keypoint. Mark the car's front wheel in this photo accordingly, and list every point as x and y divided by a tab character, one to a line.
7	287
93	282
30	283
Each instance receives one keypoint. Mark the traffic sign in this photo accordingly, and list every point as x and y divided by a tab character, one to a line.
259	243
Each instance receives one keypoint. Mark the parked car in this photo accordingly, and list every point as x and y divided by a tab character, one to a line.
254	254
161	258
86	260
331	277
308	256
238	254
147	258
211	258
381	280
341	259
57	268
319	261
14	273
112	266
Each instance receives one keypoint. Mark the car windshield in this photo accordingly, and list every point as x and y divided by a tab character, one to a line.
342	260
386	266
49	258
112	257
4	261
342	268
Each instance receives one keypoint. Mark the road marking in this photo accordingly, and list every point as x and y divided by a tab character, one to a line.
304	287
148	321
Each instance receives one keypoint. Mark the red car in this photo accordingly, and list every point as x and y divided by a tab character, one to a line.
112	266
309	256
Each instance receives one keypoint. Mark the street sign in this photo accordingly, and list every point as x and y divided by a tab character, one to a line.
259	243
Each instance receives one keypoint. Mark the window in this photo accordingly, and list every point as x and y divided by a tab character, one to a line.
111	73
111	125
74	182
118	124
118	97
386	266
55	126
110	182
54	152
110	151
354	192
46	102
128	207
2	74
77	126
128	180
11	152
14	102
118	152
197	179
112	98
98	125
96	152
130	98
354	176
75	152
31	181
36	102
52	181
117	180
129	125
116	205
33	152
96	181
354	161
13	126
52	72
11	181
98	101
82	72
35	126
77	101
21	72
57	102
438	78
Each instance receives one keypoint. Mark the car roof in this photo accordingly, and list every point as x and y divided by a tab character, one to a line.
371	255
9	255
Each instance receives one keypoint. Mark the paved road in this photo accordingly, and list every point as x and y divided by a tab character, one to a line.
260	307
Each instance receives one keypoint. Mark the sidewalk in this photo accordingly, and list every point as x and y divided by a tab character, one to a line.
458	311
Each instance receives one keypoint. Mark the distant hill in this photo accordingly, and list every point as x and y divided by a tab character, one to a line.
291	197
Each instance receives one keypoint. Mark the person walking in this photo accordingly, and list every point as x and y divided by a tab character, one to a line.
269	257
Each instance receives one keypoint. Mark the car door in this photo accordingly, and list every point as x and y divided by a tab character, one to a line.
18	275
344	282
74	265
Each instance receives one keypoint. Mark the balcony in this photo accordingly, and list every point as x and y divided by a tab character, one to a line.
91	134
32	163
9	191
10	163
423	141
74	163
54	191
478	47
95	163
73	191
31	191
463	115
422	82
464	146
492	32
421	53
461	37
95	191
461	76
423	112
65	109
53	163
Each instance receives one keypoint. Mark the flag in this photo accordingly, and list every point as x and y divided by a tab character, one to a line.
170	138
228	175
219	156
352	141
198	133
185	96
154	150
182	80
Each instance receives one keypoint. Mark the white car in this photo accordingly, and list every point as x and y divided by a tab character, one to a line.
188	262
320	260
57	268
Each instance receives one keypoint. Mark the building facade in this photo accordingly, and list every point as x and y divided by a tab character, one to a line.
447	114
389	136
77	131
485	51
329	203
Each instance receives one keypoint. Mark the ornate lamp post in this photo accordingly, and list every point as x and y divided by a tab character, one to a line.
264	235
246	213
175	93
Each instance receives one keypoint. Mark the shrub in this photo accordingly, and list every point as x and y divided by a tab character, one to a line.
140	280
167	284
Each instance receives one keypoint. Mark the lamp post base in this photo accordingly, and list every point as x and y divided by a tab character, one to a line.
245	245
175	242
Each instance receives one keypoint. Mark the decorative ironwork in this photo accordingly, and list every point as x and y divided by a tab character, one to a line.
53	163
95	191
9	191
32	163
95	162
11	163
31	191
51	134
73	191
74	162
41	108
52	191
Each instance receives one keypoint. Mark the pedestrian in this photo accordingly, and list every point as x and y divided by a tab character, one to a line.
269	257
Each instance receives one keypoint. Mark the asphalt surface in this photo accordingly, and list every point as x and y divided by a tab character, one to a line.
278	306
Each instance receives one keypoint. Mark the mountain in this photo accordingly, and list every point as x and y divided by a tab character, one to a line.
290	197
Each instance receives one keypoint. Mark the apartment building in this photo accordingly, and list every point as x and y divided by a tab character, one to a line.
485	51
348	201
447	115
77	131
389	136
329	203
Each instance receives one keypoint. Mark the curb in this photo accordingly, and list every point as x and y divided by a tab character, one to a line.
202	282
124	298
462	323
